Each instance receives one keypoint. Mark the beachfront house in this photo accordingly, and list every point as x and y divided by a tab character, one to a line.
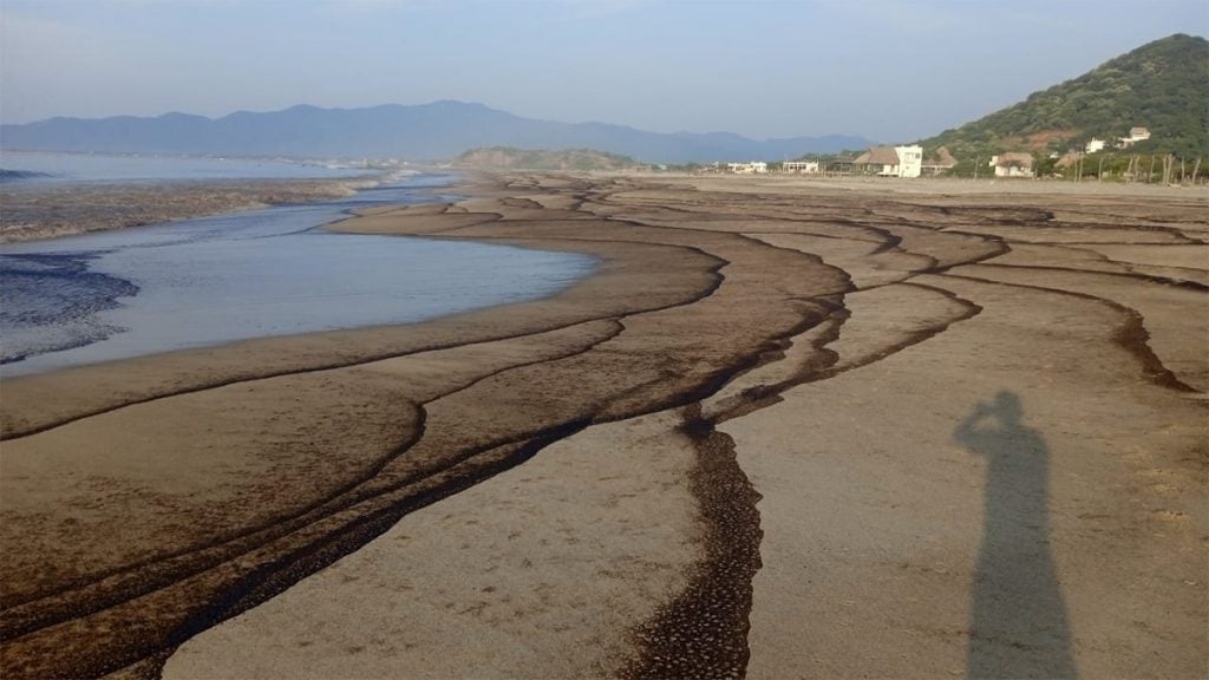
800	167
753	167
878	160
1013	164
890	161
911	160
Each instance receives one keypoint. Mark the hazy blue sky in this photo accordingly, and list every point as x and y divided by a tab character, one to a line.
892	71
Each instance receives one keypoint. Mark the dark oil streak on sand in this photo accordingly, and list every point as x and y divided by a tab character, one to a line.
77	598
701	634
1131	334
304	553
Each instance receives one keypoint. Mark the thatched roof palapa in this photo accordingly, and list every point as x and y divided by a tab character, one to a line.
878	155
943	159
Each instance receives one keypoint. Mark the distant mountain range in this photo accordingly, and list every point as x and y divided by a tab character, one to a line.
1162	86
433	131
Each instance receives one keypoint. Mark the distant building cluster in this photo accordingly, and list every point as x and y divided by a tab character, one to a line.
1095	144
878	161
908	161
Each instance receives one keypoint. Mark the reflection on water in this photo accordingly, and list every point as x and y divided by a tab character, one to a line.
1018	625
208	281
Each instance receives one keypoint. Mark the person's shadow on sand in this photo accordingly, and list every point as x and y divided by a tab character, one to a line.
1018	623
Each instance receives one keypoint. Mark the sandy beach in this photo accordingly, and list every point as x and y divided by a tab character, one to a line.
790	429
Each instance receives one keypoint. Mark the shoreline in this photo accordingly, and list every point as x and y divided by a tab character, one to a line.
103	206
788	323
86	208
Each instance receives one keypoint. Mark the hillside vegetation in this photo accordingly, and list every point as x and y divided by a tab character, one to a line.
508	158
1163	86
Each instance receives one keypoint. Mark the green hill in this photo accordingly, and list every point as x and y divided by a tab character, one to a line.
1162	86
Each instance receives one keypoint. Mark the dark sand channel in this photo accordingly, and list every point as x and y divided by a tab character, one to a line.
737	450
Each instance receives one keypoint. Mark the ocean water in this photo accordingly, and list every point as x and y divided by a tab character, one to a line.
126	293
37	167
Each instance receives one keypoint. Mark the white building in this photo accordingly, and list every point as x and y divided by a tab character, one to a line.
1013	164
1137	134
1094	145
748	168
911	160
800	166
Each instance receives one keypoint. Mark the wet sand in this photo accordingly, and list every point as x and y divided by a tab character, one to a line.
41	211
791	429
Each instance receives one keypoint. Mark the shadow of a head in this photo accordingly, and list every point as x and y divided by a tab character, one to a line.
1008	408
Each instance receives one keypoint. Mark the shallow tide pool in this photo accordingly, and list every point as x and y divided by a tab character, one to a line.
209	281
